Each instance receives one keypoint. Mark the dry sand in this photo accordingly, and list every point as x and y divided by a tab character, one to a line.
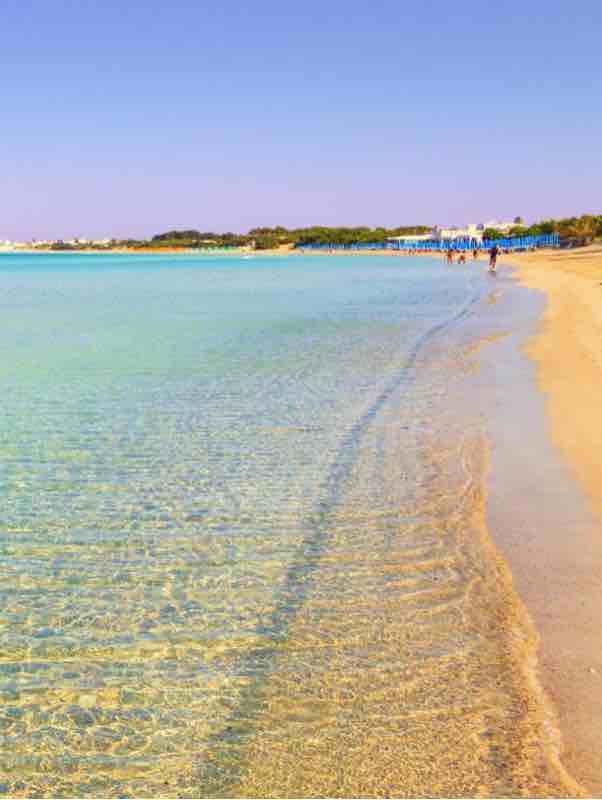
567	352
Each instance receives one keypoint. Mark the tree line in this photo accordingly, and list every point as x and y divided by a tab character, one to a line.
584	228
587	227
265	238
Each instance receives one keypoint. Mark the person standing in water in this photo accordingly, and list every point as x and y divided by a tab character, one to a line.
493	254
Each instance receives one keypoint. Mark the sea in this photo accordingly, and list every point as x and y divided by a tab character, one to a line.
243	540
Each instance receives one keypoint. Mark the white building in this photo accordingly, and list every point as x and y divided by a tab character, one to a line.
502	227
438	234
471	231
412	237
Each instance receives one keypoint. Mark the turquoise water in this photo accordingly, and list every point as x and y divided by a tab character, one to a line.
181	438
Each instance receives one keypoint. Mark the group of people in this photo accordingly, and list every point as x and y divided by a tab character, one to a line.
493	254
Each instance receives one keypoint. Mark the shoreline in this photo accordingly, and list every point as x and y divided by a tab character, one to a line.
187	251
505	716
570	336
284	250
544	505
396	669
547	519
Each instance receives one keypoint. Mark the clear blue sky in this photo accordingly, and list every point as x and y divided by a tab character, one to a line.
130	118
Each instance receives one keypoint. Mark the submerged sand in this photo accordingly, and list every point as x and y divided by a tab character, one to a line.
429	689
484	745
415	676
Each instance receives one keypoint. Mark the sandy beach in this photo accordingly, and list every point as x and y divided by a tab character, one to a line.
568	353
562	587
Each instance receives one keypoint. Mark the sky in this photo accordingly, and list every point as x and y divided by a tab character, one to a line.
132	118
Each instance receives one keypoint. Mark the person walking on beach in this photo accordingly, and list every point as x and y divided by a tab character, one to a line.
475	254
493	254
450	256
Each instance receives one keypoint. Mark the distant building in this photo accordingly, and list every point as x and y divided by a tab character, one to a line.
412	237
454	232
473	230
502	227
469	234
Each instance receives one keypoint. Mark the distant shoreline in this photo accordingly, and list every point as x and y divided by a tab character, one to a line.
283	251
234	251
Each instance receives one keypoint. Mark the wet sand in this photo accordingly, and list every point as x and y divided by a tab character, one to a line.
545	509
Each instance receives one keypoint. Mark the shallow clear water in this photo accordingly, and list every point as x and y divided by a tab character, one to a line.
216	480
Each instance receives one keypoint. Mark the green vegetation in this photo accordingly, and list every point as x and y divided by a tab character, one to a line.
361	235
268	238
198	239
581	229
76	246
586	227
